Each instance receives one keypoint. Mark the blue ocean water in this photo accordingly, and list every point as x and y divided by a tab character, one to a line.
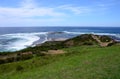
17	38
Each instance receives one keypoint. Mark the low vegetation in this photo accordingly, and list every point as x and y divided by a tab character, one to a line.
30	52
85	62
81	57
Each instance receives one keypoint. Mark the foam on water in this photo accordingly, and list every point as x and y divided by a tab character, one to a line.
18	41
117	36
78	33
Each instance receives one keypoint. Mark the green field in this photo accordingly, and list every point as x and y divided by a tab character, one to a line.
81	62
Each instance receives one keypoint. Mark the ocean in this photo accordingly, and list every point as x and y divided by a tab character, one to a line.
17	38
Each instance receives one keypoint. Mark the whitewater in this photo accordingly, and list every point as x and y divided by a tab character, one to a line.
17	41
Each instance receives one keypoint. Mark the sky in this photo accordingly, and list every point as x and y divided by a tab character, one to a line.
59	13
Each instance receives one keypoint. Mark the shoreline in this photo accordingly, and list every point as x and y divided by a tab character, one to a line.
55	44
41	41
36	43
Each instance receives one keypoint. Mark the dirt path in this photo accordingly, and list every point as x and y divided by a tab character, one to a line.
102	44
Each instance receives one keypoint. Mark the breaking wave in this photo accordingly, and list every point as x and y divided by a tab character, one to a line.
18	41
113	35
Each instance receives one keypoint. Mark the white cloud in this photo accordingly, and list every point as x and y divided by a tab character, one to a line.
28	8
29	13
29	22
28	4
76	10
23	12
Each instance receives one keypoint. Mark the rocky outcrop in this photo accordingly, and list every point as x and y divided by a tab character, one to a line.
53	47
85	39
90	39
103	41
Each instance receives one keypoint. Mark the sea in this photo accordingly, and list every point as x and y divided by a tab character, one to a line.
17	38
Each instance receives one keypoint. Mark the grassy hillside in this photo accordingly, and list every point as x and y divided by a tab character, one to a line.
81	40
81	62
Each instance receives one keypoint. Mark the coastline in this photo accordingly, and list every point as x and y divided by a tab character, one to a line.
51	36
42	38
37	43
57	44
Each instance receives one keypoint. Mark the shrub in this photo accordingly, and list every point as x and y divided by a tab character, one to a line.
19	68
40	54
88	43
2	61
105	38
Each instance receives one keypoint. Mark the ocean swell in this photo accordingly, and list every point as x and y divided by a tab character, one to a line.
113	35
18	41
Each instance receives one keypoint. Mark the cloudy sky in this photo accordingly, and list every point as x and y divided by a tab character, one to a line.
59	13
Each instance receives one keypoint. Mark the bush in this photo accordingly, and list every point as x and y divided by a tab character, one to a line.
110	44
88	43
24	56
19	68
105	39
40	54
2	61
10	59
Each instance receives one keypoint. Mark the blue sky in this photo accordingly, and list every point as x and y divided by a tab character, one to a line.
59	13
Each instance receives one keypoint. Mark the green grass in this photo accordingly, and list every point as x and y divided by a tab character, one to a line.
85	62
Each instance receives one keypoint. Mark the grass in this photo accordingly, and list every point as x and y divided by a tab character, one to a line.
84	62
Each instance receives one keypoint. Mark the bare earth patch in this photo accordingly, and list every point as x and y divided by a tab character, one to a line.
54	52
102	44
